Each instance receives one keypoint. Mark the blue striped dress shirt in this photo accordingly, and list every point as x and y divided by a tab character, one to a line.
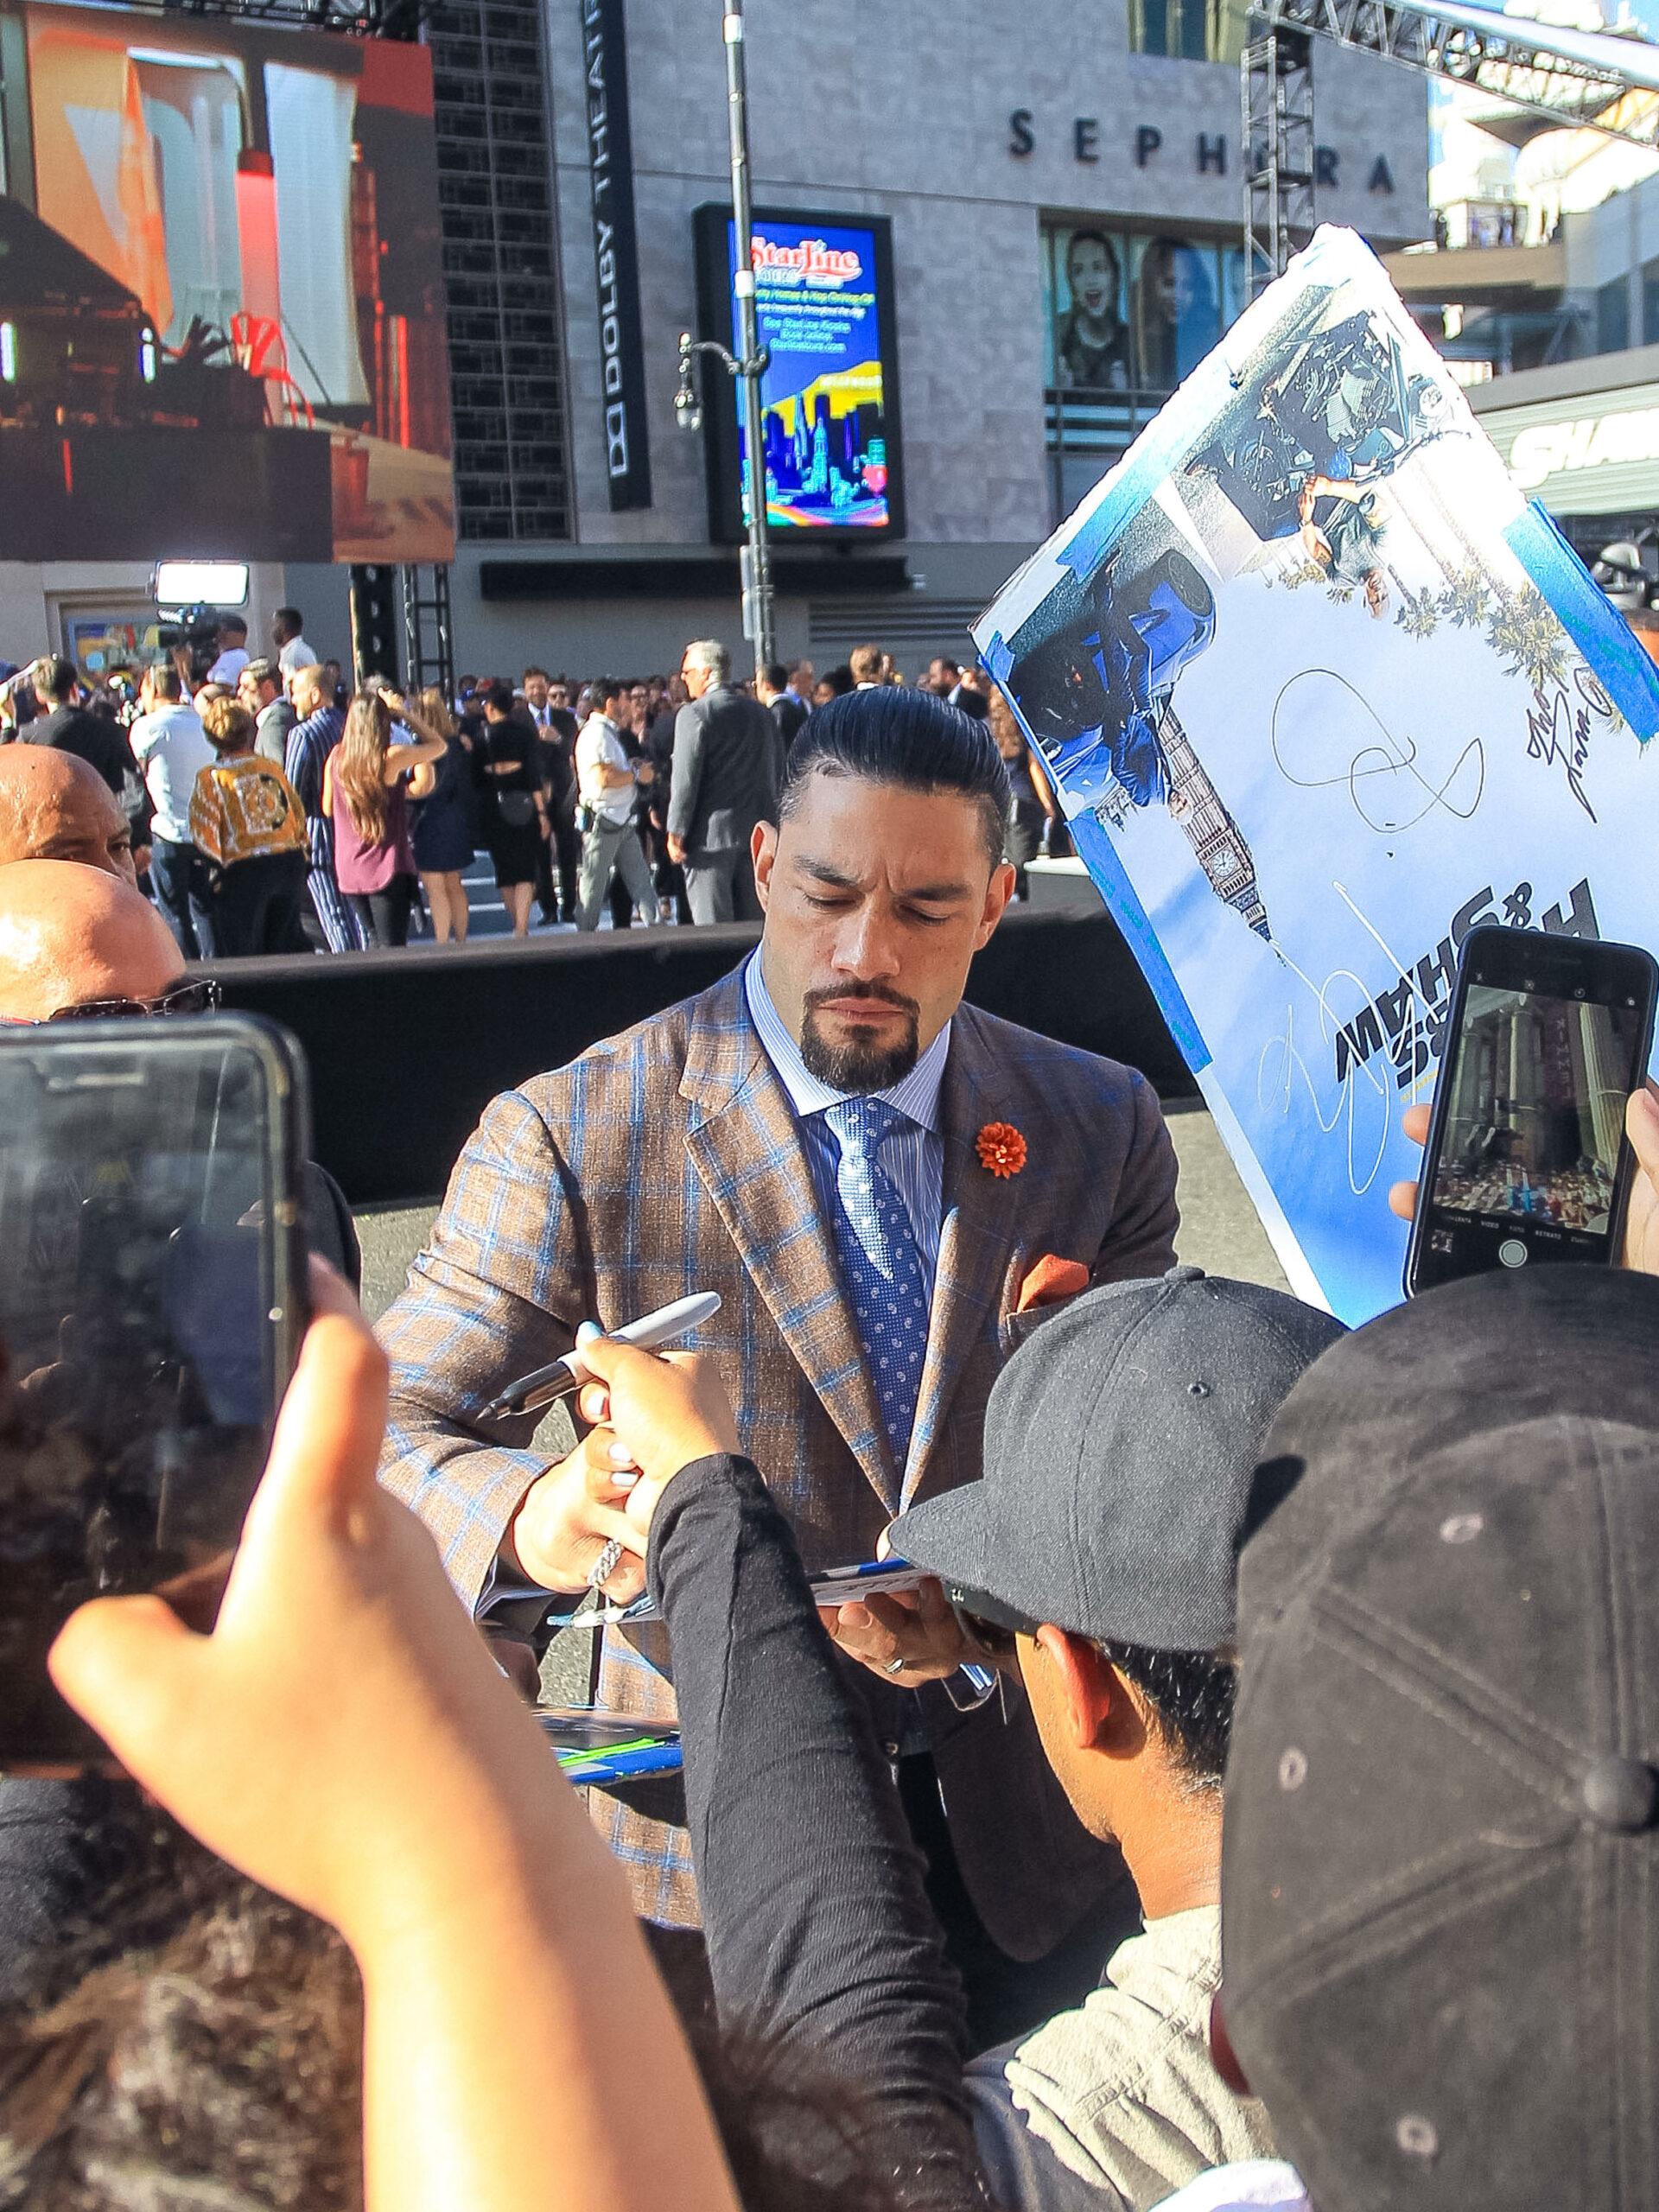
914	1152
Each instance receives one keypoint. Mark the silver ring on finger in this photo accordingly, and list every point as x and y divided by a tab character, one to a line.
606	1564
895	1666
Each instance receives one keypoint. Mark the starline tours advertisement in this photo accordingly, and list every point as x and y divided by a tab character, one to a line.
1320	692
823	395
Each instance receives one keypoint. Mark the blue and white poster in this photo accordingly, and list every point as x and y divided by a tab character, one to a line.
1320	692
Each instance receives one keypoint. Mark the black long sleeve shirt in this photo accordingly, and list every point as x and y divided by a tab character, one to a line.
818	1929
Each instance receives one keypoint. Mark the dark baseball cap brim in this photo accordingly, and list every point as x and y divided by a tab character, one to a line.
1120	1442
953	1537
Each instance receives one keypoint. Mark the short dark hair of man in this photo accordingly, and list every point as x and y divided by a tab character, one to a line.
234	624
892	735
165	682
498	694
292	622
542	672
775	675
56	678
840	679
263	671
1192	1695
974	704
866	662
607	689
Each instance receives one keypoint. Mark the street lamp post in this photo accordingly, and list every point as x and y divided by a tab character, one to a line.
751	364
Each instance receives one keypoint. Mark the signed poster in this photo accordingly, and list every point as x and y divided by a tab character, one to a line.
1320	692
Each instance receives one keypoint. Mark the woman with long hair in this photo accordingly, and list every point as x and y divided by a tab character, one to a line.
367	783
1031	803
443	823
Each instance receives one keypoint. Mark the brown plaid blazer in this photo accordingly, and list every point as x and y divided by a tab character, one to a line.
667	1161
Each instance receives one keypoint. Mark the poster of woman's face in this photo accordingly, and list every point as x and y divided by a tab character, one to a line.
1128	313
1088	336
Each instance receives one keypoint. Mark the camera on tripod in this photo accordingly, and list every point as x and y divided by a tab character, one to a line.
198	628
197	594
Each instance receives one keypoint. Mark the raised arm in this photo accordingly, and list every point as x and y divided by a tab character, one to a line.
429	745
519	2050
818	1928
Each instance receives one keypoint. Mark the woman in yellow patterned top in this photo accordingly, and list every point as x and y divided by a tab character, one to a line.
248	824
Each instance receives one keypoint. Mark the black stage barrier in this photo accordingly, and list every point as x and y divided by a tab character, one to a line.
407	1047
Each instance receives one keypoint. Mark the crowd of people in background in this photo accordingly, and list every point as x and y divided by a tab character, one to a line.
269	808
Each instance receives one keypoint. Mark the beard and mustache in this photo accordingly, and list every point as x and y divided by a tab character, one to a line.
858	1065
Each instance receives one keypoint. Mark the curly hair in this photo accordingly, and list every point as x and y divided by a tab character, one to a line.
227	722
197	2068
200	2050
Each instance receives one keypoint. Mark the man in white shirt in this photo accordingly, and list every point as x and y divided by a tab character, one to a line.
170	747
286	634
605	783
233	652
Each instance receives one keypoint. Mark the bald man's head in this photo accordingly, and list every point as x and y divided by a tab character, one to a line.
70	934
308	688
55	807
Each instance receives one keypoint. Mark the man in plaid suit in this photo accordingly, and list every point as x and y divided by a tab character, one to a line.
691	1153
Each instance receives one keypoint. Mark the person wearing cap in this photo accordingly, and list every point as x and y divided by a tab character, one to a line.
1096	1561
1440	1883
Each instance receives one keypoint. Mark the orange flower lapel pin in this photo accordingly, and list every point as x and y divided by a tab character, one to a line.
1001	1148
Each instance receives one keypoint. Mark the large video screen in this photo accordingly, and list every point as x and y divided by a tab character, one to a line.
221	296
823	300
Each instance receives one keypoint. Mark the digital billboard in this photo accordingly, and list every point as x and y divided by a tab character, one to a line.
829	398
221	295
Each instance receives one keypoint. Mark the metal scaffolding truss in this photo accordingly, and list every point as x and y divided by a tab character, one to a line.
1576	79
398	19
1277	81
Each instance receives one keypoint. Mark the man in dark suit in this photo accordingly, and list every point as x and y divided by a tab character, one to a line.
781	703
548	705
879	1181
725	780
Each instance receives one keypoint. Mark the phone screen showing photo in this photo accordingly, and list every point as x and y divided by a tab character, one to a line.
137	1375
1527	1167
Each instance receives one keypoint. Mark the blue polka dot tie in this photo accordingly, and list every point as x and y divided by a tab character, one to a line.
882	1263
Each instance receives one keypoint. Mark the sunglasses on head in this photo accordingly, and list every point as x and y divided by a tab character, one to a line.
183	998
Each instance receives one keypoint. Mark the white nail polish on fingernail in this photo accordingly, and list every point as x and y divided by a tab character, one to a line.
626	1478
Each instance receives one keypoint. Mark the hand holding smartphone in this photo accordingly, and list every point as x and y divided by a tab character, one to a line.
1527	1161
150	1310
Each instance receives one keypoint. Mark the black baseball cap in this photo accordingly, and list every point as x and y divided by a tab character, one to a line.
1119	1445
1440	1886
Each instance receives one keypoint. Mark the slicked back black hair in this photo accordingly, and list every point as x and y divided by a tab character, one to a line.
891	734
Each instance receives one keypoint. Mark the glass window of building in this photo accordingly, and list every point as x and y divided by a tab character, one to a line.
1127	317
1187	30
1129	313
1650	303
1613	316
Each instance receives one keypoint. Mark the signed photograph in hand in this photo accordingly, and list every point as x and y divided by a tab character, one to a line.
1319	693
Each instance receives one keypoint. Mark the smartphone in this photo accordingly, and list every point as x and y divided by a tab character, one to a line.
1527	1162
151	1305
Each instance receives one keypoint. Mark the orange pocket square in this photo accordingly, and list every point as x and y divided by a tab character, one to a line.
1049	1281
